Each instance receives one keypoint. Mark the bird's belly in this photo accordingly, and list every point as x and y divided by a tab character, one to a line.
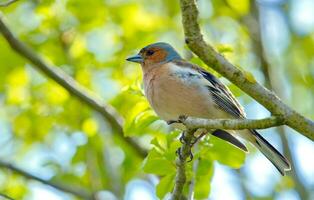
171	99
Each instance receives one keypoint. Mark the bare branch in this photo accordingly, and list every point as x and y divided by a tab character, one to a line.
6	4
78	192
71	86
233	124
196	43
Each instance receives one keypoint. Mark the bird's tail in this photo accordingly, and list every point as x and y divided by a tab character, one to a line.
278	160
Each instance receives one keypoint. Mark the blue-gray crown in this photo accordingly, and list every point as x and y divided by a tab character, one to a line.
172	53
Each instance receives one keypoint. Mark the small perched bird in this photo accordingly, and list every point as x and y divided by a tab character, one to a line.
175	87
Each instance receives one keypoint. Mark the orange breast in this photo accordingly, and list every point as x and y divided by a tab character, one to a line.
170	97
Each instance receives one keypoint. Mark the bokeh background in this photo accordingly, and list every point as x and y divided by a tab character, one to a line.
52	135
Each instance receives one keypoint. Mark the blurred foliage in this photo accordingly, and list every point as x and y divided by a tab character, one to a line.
51	134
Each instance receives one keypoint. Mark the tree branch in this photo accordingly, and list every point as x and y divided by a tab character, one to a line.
210	124
274	85
6	196
78	192
183	154
6	4
233	124
196	43
71	86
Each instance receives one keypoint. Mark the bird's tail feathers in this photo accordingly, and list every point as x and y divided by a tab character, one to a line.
278	160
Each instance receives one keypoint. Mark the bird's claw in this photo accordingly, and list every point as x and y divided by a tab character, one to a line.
196	139
180	120
169	122
190	156
182	138
178	152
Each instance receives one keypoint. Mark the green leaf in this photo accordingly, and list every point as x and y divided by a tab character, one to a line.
158	143
173	136
144	119
225	153
224	48
165	185
241	7
141	118
286	183
203	176
156	163
170	154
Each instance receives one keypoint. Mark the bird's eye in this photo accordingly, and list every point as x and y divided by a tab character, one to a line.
150	52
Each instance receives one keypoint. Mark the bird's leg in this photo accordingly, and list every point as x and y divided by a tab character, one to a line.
190	156
178	152
183	141
169	122
196	139
193	141
182	138
180	120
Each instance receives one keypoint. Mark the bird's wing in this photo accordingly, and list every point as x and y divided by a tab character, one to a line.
222	96
220	93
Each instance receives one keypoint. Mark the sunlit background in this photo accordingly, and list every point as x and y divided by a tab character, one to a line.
52	135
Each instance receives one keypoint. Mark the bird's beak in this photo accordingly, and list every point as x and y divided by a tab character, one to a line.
136	58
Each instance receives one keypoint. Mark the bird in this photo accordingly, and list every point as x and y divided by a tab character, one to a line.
175	87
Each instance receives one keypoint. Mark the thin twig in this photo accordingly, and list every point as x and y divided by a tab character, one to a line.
79	192
66	81
196	43
6	4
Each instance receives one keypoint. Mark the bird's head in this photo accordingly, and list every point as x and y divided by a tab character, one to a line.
156	53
